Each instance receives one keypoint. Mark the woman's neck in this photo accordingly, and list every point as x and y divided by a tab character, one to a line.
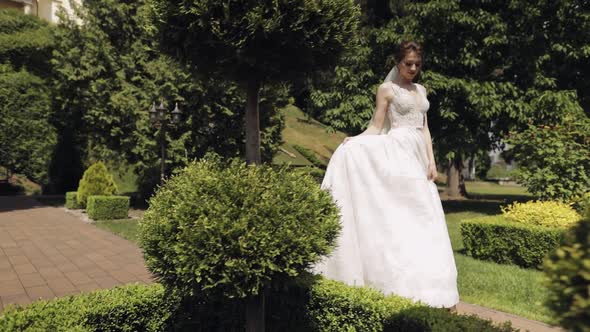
403	82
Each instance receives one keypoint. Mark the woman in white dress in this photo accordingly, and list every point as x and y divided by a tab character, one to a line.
394	235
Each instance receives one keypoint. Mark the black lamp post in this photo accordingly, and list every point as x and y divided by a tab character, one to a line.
161	118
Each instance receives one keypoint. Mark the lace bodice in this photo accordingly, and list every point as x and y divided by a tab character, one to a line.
408	109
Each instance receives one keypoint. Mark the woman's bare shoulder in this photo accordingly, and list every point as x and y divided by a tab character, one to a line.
386	90
421	87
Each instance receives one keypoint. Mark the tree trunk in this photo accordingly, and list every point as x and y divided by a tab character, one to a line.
255	313
455	181
252	123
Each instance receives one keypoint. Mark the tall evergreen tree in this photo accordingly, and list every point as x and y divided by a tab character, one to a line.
27	138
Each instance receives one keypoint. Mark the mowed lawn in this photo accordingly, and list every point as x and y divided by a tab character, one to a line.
502	287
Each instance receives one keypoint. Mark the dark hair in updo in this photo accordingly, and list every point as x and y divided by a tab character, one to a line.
405	48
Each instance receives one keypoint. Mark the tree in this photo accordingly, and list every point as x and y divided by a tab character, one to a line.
257	42
554	159
109	70
26	137
549	47
25	42
222	230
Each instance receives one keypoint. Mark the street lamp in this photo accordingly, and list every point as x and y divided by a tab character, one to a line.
161	119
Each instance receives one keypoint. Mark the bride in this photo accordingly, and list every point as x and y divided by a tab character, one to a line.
394	235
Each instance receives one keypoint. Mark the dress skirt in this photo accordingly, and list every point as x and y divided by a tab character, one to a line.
394	236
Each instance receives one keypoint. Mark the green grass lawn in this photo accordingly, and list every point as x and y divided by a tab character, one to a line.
125	228
309	133
502	287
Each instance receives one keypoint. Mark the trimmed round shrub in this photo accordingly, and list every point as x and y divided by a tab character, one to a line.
228	229
96	181
542	213
568	278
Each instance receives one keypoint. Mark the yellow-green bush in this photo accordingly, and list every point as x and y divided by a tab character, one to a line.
542	213
96	181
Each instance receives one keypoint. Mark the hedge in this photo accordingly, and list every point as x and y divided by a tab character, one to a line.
72	200
310	155
498	240
324	306
128	308
107	207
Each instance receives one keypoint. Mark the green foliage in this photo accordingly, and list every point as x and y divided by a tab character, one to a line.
224	228
438	320
345	98
258	40
109	70
315	172
554	163
334	306
542	213
496	239
568	278
321	306
72	200
549	46
96	181
127	308
25	41
309	155
582	203
26	136
107	207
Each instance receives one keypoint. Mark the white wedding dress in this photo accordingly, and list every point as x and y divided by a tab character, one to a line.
394	236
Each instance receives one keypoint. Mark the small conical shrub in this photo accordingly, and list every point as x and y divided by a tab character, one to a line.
96	181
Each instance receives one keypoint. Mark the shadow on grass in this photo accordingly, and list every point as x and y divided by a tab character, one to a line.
489	204
52	200
472	205
505	198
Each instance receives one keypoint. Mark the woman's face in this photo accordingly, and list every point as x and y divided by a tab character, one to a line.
410	66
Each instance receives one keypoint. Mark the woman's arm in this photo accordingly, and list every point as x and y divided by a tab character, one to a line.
432	172
382	100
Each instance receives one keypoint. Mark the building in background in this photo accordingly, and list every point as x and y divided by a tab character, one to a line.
44	9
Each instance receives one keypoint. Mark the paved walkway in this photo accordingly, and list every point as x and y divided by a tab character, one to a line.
518	322
46	253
